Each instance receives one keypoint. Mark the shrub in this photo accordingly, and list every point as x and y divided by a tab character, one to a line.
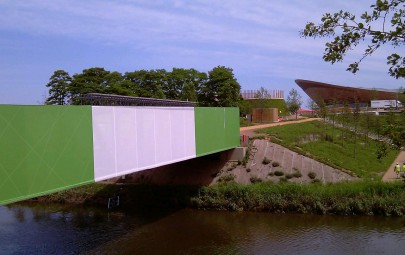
227	178
266	161
278	173
255	179
297	174
328	138
312	175
283	179
271	174
248	170
289	176
316	181
231	167
275	164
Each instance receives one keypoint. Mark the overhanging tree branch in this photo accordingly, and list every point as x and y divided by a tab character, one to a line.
348	31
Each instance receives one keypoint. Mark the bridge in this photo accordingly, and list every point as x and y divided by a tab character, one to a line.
45	149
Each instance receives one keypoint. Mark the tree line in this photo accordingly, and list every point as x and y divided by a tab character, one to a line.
218	87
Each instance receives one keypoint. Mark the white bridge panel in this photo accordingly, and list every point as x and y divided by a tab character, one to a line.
130	139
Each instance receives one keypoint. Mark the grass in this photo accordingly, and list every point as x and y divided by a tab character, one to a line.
244	123
345	198
309	139
356	198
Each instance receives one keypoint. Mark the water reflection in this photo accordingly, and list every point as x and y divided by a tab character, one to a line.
64	230
191	232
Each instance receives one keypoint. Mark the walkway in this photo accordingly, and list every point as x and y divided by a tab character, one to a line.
249	131
390	175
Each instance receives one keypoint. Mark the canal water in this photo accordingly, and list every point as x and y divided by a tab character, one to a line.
59	229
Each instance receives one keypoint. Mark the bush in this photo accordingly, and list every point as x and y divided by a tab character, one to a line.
297	174
227	178
275	164
248	170
271	174
232	167
289	176
312	175
255	179
266	161
316	181
283	179
328	138
278	173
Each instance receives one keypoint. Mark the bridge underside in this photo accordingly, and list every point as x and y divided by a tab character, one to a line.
45	149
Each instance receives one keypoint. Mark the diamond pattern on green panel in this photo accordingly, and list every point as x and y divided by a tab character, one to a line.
216	129
44	149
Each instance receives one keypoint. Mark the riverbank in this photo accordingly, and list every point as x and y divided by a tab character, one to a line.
269	182
346	198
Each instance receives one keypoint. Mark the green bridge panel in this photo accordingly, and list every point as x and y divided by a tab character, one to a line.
44	149
216	129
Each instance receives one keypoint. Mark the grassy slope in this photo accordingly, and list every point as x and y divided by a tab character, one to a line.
306	138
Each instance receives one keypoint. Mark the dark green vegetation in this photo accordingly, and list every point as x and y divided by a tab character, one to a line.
217	88
334	146
244	122
382	24
357	198
246	106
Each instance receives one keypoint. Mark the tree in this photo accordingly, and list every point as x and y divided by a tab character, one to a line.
356	117
59	88
148	83
116	85
245	107
323	113
294	102
384	25
184	84
346	111
263	93
312	105
92	80
221	90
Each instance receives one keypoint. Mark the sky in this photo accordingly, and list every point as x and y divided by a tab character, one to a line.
258	39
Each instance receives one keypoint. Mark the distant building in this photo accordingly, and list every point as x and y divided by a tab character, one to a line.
271	94
336	94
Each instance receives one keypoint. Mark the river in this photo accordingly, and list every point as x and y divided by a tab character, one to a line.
56	229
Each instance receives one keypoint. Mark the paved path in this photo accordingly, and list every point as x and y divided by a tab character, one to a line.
390	175
249	131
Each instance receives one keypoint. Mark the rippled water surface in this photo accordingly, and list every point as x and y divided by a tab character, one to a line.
61	230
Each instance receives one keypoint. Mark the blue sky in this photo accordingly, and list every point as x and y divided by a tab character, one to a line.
258	39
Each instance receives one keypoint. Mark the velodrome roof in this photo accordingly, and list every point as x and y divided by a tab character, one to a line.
337	94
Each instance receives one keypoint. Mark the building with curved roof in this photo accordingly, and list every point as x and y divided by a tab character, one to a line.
336	94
